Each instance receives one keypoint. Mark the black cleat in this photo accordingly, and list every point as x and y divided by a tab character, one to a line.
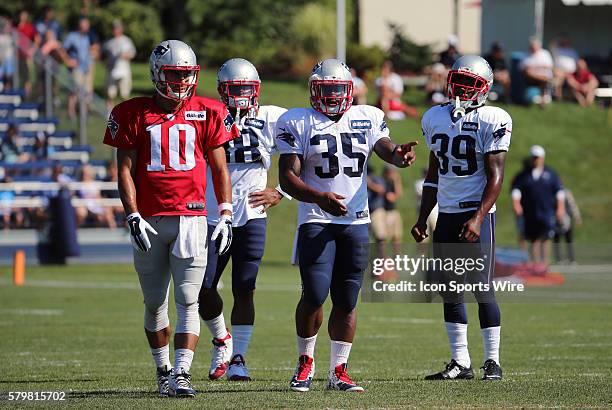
492	371
453	371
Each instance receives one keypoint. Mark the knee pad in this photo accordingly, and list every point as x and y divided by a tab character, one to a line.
187	319
156	315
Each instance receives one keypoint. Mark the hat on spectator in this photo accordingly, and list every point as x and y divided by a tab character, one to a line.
537	151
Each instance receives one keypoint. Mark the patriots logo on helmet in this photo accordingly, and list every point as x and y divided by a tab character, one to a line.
287	137
160	50
113	126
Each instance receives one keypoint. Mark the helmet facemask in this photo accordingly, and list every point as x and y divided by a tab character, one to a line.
177	83
331	97
241	95
466	89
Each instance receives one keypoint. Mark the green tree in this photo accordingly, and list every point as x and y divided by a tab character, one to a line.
405	54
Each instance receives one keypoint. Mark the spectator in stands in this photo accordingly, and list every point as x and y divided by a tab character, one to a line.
538	70
436	84
501	75
79	47
28	41
7	54
41	149
390	88
393	193
451	54
538	196
360	89
583	84
6	201
90	191
565	58
118	51
418	194
48	22
10	149
52	48
376	201
565	229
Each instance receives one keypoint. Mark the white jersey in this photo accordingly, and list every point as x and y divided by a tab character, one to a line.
248	160
335	156
460	148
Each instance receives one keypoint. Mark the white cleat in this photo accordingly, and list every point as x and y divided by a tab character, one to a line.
237	371
179	384
163	376
221	355
338	379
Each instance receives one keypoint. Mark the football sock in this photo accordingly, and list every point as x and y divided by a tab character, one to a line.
306	346
490	340
217	327
457	338
339	353
161	356
183	358
242	338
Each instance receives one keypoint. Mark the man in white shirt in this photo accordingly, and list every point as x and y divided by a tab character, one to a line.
390	88
118	51
538	70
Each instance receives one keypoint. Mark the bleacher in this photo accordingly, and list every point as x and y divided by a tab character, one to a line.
31	181
31	124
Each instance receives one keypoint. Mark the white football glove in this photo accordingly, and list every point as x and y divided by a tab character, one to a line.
223	234
138	232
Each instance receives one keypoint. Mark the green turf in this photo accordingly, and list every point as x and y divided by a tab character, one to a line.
78	329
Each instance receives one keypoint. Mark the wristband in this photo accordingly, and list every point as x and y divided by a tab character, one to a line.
225	206
430	184
283	193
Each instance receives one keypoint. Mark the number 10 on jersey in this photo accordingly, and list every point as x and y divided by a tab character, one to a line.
174	147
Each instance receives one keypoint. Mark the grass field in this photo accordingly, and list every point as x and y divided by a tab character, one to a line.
79	330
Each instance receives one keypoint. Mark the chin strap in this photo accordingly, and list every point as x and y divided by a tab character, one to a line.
458	111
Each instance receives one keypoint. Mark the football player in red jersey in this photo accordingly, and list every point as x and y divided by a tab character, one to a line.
163	143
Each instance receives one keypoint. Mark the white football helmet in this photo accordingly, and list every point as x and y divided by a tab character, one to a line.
238	84
174	70
331	87
469	82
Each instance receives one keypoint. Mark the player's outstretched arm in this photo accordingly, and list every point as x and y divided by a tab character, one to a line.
428	199
401	155
290	169
494	168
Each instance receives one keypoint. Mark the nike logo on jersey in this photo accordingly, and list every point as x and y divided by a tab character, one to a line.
287	137
504	124
255	123
361	124
195	115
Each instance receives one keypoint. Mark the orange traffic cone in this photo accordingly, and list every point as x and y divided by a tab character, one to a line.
19	263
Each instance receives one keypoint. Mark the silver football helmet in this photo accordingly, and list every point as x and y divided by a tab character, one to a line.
238	85
174	70
468	82
331	87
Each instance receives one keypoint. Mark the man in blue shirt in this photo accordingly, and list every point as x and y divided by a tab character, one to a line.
538	196
79	47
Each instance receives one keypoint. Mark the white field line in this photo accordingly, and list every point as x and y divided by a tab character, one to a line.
65	284
31	312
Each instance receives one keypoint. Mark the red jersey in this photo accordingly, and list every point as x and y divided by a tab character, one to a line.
172	148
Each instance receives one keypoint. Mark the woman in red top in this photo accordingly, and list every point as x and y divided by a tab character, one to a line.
583	83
